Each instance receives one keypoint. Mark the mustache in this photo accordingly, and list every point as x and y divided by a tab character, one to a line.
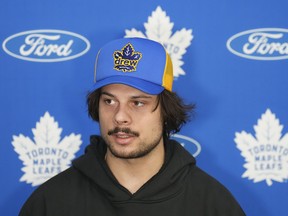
124	130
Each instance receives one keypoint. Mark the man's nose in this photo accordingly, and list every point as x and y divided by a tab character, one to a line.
122	115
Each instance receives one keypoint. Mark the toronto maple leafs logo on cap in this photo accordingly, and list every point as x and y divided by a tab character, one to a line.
137	62
127	59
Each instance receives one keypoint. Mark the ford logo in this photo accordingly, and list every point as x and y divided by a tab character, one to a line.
260	44
46	45
190	144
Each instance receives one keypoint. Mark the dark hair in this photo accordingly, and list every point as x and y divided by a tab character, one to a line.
174	112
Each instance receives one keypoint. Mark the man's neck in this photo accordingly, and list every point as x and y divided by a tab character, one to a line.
134	173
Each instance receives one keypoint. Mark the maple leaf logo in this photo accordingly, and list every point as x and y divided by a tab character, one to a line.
159	28
266	155
127	59
47	156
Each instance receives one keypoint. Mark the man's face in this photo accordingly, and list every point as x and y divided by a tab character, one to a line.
129	122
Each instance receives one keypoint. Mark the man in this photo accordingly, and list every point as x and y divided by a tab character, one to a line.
133	168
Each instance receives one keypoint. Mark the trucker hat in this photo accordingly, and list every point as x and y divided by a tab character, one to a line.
140	63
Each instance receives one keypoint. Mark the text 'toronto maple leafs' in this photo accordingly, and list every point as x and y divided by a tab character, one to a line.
47	156
266	154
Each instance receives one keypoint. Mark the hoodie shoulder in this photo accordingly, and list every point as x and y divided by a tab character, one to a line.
209	192
54	189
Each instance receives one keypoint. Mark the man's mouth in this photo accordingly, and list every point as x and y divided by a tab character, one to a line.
123	132
123	135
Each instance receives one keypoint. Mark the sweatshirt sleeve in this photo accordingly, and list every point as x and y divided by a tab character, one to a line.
225	204
34	206
222	203
213	196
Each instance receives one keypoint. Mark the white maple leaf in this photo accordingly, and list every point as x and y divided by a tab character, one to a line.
266	154
47	155
159	28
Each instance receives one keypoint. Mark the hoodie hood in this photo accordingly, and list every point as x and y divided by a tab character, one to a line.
165	184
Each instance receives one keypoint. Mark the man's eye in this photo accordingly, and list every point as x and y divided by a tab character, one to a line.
138	103
109	101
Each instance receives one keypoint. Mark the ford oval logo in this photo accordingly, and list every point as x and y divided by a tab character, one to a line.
260	44
190	144
46	45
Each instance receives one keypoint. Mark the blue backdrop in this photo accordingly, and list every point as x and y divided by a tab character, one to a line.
230	58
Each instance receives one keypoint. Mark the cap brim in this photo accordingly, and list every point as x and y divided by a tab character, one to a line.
142	85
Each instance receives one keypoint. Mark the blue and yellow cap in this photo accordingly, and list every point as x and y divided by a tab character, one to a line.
140	63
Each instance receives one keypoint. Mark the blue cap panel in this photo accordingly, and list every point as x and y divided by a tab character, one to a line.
131	58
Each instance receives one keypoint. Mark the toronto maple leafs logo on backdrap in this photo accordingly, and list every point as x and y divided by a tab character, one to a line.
159	28
46	156
127	59
266	154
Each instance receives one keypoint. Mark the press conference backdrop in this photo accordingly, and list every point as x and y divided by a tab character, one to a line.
230	58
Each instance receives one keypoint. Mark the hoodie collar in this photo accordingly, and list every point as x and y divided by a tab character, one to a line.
164	184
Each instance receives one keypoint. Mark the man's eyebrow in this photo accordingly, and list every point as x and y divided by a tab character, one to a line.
107	93
141	96
132	97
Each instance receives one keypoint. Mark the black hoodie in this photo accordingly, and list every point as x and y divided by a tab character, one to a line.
88	188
